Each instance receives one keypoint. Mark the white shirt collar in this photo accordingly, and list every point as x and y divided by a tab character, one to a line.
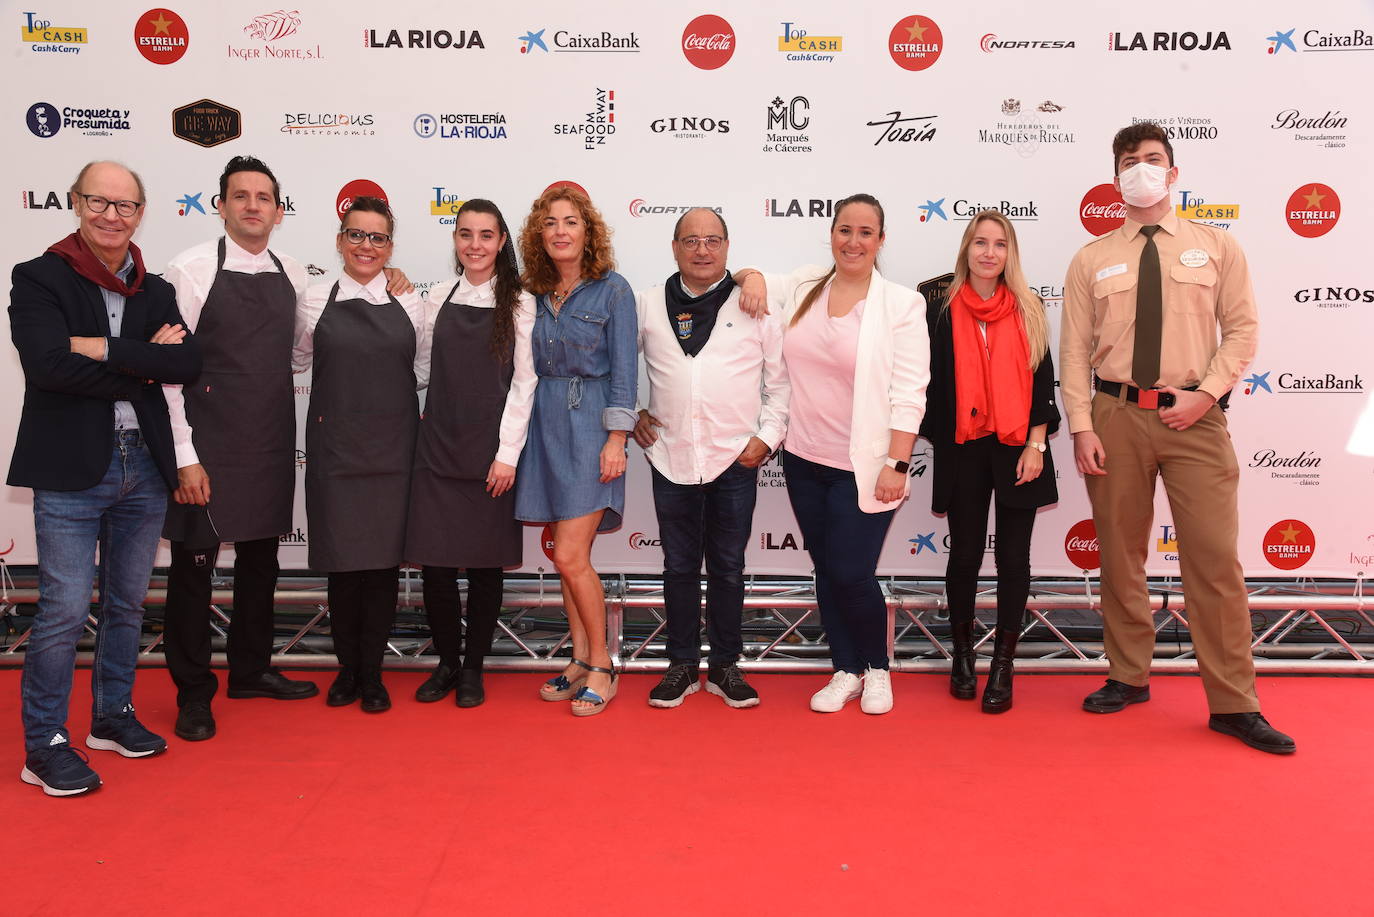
470	294
683	284
374	291
236	255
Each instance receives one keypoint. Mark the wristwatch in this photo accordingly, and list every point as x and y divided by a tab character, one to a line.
899	467
1038	447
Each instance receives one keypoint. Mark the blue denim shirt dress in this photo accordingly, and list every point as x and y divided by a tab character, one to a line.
586	357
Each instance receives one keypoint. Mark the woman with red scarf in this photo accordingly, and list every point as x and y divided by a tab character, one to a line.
989	409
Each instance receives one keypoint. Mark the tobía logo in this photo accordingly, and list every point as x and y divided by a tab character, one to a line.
1102	210
915	43
1313	210
708	42
358	187
161	36
1289	544
207	123
1081	545
895	127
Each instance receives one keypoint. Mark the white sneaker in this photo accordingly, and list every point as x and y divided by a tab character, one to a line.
877	691
842	689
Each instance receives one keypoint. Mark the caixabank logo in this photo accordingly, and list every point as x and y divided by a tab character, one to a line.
567	41
161	36
45	37
1290	383
1319	40
1313	210
1289	544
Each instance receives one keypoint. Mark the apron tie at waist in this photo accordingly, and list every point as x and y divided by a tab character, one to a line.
575	387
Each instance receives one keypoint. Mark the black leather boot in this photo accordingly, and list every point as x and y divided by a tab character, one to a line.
997	693
963	683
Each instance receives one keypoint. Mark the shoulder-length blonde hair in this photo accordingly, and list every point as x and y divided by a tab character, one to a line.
598	258
1031	306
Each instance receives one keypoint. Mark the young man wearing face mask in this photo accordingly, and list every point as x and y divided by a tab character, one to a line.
1142	308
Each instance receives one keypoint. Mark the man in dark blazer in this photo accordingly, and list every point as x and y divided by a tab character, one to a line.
96	335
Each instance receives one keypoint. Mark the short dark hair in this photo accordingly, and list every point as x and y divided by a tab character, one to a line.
724	230
1129	139
247	164
366	204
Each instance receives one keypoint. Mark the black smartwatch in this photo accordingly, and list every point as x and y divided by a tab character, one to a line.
899	467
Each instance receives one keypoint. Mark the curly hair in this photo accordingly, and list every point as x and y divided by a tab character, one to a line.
598	259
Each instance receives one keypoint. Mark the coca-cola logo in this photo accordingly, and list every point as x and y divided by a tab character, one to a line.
358	187
567	183
1102	210
708	42
1289	544
1313	210
1080	544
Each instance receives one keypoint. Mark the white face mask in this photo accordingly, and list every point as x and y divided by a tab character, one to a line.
1144	184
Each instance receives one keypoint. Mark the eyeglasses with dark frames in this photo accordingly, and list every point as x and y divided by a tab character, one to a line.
98	204
357	237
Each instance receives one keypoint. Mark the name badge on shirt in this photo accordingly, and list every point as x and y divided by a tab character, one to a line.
1194	257
1111	271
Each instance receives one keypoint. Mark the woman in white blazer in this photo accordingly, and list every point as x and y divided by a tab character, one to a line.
858	356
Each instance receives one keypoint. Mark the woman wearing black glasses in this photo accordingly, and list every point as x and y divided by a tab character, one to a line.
359	444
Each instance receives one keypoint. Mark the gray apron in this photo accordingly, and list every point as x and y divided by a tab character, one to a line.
453	521
242	409
360	435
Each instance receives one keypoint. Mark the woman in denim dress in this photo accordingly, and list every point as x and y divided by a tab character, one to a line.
572	469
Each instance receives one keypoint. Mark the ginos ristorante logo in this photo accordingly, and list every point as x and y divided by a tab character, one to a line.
1289	544
915	43
1080	544
1102	210
161	36
708	42
358	187
1313	210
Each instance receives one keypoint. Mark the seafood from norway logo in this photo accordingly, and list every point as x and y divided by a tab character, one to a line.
270	29
1289	544
1102	210
598	124
161	36
915	43
42	35
1313	210
708	42
358	187
1082	547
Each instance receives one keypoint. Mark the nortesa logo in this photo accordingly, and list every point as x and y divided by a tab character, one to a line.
639	541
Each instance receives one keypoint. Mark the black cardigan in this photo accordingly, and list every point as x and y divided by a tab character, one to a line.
938	424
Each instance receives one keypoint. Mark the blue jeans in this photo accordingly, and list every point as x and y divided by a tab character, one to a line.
844	543
123	515
710	521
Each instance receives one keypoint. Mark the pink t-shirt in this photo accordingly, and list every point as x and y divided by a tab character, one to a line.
820	352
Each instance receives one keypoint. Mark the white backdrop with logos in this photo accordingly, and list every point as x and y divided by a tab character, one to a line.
769	113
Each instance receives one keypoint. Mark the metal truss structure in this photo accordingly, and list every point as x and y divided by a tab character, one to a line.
1300	626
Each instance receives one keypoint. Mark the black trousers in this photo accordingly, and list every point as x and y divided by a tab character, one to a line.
444	609
968	527
362	609
186	629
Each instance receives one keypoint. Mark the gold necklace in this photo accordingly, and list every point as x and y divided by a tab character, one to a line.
557	298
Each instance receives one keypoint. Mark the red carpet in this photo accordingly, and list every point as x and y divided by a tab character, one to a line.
518	808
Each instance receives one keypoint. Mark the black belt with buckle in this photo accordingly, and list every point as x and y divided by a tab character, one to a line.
1150	399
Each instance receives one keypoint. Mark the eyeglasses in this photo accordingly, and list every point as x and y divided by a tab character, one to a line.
97	204
357	236
712	243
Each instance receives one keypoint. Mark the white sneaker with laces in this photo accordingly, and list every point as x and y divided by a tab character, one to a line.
843	688
877	691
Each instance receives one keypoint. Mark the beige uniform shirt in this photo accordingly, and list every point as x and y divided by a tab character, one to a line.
1206	288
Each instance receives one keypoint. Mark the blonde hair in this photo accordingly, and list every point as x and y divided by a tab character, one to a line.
1031	306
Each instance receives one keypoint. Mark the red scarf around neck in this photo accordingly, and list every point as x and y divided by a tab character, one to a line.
79	256
992	383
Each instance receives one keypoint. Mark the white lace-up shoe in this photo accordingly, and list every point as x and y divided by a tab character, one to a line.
877	691
842	689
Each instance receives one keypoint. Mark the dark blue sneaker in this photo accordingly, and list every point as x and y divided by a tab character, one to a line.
59	769
126	735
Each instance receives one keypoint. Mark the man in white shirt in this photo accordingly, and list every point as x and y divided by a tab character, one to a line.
235	436
717	391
